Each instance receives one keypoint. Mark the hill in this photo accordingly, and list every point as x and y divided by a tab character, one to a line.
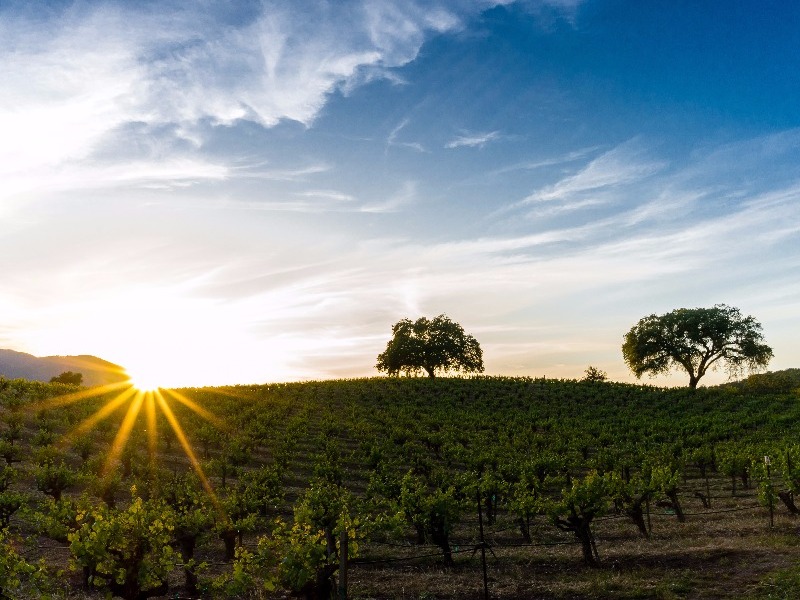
96	371
587	489
771	382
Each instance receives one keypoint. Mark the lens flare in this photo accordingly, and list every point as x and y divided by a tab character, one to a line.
140	397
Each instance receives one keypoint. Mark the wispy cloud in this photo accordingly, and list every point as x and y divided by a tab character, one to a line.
391	139
473	140
620	166
327	195
568	293
301	173
318	201
76	75
403	197
546	162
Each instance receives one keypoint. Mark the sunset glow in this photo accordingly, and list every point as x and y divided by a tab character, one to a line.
140	405
256	192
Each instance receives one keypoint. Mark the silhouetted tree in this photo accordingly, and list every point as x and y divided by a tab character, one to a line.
430	345
68	377
696	339
594	374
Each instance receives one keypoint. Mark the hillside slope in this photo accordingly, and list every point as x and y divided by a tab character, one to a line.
96	371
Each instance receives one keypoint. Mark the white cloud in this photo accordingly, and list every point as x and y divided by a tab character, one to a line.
328	195
275	174
473	140
391	139
62	90
545	162
406	195
566	295
620	166
76	75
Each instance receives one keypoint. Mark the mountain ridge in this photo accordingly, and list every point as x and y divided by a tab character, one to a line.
95	370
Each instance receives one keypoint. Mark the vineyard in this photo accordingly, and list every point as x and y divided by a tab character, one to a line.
401	488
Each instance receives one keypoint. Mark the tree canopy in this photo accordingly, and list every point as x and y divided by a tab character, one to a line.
68	377
430	345
593	374
696	339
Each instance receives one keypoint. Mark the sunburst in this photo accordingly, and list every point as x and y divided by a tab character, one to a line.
140	398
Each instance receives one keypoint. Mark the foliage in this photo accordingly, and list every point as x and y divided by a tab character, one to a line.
194	518
127	551
16	572
57	519
697	340
68	377
433	511
8	475
10	502
778	382
593	374
581	501
301	556
767	490
53	479
10	452
430	346
389	457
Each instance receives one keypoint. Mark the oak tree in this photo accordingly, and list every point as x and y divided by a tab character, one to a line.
696	339
430	345
68	377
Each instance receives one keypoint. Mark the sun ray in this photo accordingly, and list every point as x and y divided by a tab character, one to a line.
124	431
191	404
67	399
152	433
103	413
151	400
187	448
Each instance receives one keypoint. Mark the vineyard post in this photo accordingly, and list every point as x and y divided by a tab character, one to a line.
343	550
483	549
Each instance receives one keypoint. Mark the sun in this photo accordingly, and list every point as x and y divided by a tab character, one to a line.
144	382
150	371
139	398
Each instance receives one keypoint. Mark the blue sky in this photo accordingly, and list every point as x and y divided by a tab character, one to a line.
255	191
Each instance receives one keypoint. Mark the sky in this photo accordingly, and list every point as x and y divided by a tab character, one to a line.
244	192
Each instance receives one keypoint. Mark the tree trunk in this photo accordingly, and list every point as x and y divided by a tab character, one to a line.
321	586
703	498
676	505
636	513
87	578
584	534
490	507
581	528
788	499
693	379
229	537
420	529
525	529
440	537
330	542
187	543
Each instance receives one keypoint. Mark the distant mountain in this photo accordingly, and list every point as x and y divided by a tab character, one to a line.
96	371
